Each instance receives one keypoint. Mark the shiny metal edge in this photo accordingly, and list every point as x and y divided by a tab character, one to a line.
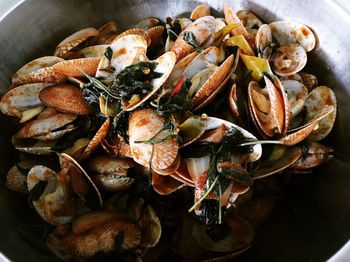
343	6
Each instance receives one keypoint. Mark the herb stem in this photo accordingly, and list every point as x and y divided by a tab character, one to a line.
204	195
220	201
251	143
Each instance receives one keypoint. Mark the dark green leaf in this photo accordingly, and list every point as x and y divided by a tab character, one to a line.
191	40
36	192
238	174
108	53
120	125
179	103
174	30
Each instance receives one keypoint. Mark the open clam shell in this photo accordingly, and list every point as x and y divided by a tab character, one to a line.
286	32
200	11
107	164
165	185
165	65
280	158
241	235
263	41
145	124
54	204
112	182
81	182
65	98
16	180
126	50
191	129
249	19
318	99
74	67
21	98
289	59
94	51
297	94
72	41
38	71
203	30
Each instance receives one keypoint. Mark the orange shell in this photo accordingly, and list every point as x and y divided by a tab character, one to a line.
65	98
73	67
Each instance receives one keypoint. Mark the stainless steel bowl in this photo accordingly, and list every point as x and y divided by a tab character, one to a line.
313	221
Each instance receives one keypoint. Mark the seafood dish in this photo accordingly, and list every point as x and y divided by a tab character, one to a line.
169	136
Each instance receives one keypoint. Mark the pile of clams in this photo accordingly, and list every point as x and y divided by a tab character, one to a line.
167	137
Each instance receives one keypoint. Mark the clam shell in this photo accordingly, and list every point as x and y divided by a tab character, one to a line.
241	235
309	80
155	34
263	41
179	69
298	136
107	164
148	23
289	59
104	33
96	140
280	158
249	19
73	67
112	182
43	126
31	113
191	129
74	40
297	94
232	101
144	124
214	82
38	71
54	198
16	180
165	185
65	98
126	49
171	169
183	175
203	30
33	147
316	154
232	18
94	51
165	65
116	147
102	238
81	182
21	98
95	218
200	11
286	32
151	227
318	99
55	134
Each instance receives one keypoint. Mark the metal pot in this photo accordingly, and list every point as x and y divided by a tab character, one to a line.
313	221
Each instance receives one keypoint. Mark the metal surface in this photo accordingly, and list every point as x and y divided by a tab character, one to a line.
313	220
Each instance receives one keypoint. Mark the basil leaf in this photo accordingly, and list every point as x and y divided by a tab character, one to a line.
36	192
191	40
108	53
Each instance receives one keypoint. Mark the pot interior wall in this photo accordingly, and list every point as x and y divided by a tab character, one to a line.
313	219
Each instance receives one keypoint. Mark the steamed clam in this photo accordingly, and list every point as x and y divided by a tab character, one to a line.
131	131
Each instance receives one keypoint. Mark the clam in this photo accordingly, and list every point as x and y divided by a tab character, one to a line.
102	238
76	67
105	33
297	94
106	164
165	185
309	80
21	98
145	125
174	28
116	146
289	59
232	101
38	71
191	129
113	182
94	51
96	140
148	23
125	50
51	195
263	41
63	48
280	158
150	227
16	179
156	34
287	32
269	107
318	99
200	11
249	19
44	126
313	155
203	31
34	146
81	183
240	236
65	98
77	148
232	18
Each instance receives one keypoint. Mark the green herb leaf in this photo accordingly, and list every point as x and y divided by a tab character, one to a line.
178	103
135	79
191	40
36	192
169	126
108	53
120	125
